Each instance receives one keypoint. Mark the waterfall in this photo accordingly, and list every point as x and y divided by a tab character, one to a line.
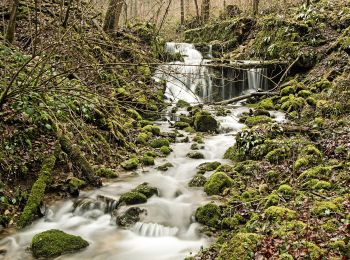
154	230
193	81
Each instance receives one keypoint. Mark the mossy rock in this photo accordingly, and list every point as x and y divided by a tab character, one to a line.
257	120
247	168
164	167
75	185
130	164
195	155
293	103
194	146
130	217
107	173
325	208
147	160
205	122
185	119
165	150
190	130
304	93
132	197
158	143
209	215
321	85
53	243
144	123
207	167
198	139
261	112
280	213
146	190
181	125
272	200
285	190
317	172
217	183
143	138
267	104
240	246
152	129
197	181
286	91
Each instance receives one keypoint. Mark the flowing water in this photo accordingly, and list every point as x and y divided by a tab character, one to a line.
168	229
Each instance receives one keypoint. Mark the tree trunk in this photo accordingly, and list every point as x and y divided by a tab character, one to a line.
197	7
182	12
114	10
255	7
205	10
308	2
10	33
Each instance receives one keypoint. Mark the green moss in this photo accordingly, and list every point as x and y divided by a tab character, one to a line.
320	86
325	208
286	229
144	123
197	181
304	93
53	243
152	129
247	168
209	215
76	183
322	185
165	150
190	130
280	213
146	190
181	125
182	103
132	197
37	192
165	166
198	138
317	172
106	173
285	190
240	246
266	103
272	200
288	90
256	120
285	256
130	164
208	166
158	143
331	225
204	122
147	160
217	183
311	101
142	138
277	155
313	251
272	175
293	104
195	155
134	114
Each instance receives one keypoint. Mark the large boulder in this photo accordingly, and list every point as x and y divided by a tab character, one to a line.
209	215
217	183
53	243
205	122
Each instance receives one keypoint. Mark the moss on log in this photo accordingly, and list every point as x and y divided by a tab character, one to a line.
80	161
37	193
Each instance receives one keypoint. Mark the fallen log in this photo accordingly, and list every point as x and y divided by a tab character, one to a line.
236	99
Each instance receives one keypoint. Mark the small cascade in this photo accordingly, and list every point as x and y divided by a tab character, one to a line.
194	81
154	230
91	207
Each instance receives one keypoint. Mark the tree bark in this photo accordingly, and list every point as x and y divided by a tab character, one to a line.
308	2
205	10
255	7
197	7
11	28
114	10
182	12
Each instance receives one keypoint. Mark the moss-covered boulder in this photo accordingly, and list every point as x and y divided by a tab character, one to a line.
164	167
147	160
217	183
132	198
130	217
266	103
181	125
182	104
158	143
53	243
240	246
166	150
146	190
197	181
195	155
107	173
205	122
207	167
130	164
209	215
152	129
256	120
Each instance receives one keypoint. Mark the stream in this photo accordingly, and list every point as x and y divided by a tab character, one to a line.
168	230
